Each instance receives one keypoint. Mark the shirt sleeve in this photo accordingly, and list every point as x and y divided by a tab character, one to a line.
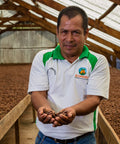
98	83
38	80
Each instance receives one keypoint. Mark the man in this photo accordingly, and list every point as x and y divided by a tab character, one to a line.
67	84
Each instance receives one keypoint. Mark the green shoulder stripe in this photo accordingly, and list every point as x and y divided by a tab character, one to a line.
46	57
92	59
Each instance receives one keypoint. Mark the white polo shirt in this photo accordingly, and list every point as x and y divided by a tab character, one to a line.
68	84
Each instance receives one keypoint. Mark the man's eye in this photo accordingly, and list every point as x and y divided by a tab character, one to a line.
76	32
64	32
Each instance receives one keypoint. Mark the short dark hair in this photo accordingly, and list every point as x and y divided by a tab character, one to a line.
71	12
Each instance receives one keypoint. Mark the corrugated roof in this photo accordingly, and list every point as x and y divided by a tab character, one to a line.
104	19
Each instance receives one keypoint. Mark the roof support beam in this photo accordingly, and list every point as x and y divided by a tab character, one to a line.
36	10
7	19
24	13
106	29
108	11
117	53
21	25
52	4
33	18
103	41
94	23
100	48
116	1
8	28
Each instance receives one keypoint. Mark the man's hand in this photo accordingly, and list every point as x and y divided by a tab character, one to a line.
64	117
46	115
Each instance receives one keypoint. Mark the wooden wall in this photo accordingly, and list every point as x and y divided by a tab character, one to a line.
21	46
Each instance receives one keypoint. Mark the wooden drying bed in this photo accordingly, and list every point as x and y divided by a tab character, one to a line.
13	89
12	117
105	132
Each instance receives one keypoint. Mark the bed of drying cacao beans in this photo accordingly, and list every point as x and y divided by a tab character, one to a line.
14	84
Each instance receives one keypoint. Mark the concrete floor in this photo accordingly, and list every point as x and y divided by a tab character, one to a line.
28	130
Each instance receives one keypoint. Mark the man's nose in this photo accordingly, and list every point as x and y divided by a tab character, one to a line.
69	37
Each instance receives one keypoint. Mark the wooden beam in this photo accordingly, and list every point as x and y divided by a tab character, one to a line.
7	29
94	23
17	132
14	19
5	6
24	29
106	29
36	10
21	25
103	41
114	62
108	11
34	114
100	48
117	54
9	17
24	7
91	47
116	1
108	132
42	23
33	18
52	4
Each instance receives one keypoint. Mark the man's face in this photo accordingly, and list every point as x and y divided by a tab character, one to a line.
71	36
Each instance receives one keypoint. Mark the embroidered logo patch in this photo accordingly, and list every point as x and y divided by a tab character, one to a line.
82	71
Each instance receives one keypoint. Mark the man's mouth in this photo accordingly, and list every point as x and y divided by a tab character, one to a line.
69	46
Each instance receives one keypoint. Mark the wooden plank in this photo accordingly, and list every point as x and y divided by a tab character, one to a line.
10	118
116	1
32	25
10	17
108	11
17	132
42	23
14	19
103	41
52	4
101	52
108	132
94	23
34	114
100	137
104	28
100	48
33	18
35	9
5	6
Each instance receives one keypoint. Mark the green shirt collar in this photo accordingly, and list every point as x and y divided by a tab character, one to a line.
57	53
85	52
